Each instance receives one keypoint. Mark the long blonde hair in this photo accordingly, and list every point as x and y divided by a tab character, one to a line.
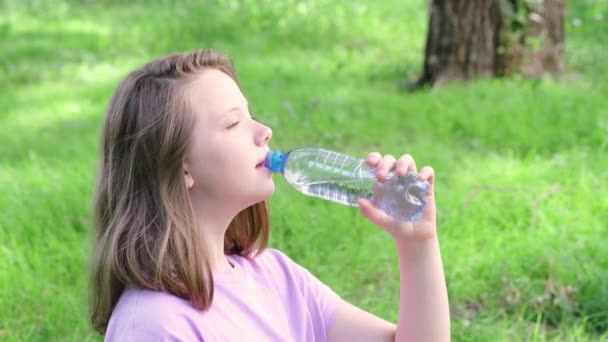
145	232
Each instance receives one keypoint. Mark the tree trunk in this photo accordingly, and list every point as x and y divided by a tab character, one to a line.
485	38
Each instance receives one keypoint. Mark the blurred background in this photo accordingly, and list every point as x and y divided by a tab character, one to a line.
508	104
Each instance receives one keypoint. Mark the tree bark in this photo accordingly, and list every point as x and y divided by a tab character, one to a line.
487	38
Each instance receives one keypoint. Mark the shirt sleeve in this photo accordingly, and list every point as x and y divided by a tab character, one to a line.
323	294
149	316
319	297
166	329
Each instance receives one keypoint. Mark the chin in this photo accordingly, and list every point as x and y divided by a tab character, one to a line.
261	194
266	195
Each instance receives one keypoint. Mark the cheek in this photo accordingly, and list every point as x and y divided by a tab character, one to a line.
218	171
221	161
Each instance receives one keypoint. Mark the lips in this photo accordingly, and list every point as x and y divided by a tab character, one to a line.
262	161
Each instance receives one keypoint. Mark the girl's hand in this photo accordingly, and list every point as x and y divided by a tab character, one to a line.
425	227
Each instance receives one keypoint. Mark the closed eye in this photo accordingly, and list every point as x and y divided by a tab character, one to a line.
234	124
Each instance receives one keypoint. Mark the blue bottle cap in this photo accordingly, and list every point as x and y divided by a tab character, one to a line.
275	161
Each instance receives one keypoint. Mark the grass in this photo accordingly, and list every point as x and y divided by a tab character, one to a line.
521	165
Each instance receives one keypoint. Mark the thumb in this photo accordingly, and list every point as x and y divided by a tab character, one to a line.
375	215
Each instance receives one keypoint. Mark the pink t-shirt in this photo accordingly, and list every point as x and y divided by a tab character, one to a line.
266	298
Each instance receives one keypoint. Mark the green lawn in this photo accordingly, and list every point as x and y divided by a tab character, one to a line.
522	180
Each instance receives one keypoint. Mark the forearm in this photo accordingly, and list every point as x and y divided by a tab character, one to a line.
424	313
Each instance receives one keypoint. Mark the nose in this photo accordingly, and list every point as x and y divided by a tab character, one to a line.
264	135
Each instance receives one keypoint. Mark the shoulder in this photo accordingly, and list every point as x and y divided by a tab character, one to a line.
144	315
268	259
319	299
274	256
271	268
276	263
282	268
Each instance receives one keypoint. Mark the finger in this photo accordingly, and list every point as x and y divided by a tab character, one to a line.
375	215
427	174
373	158
385	166
405	164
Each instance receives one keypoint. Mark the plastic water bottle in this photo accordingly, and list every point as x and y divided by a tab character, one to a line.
343	179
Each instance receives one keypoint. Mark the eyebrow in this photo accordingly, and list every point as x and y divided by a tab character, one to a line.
234	109
231	110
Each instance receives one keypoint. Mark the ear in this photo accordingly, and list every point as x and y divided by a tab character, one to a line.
188	179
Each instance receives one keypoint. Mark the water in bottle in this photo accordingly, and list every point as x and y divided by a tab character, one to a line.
343	179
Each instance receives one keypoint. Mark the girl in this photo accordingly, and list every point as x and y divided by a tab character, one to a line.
181	225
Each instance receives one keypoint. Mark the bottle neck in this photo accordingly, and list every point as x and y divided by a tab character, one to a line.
275	161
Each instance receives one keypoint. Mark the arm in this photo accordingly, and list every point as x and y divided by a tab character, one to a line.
423	305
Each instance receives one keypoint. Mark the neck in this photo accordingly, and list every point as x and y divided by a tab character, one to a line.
214	220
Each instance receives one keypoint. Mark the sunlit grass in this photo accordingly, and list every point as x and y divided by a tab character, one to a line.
521	165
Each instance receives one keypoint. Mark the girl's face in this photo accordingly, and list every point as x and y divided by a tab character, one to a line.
225	163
